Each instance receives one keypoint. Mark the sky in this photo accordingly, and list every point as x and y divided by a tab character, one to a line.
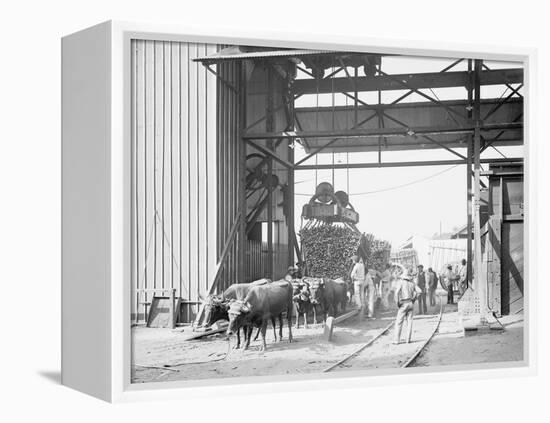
395	203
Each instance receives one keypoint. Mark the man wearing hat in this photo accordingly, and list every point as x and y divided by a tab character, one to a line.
405	296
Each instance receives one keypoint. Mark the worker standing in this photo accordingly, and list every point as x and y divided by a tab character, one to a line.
405	296
385	280
358	278
371	293
450	278
462	277
421	284
432	285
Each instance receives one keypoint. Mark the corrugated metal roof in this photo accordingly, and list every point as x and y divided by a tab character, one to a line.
234	55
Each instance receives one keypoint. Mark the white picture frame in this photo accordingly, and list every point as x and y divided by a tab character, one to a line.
96	213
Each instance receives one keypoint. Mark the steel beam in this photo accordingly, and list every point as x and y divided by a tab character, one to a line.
269	153
501	103
407	85
404	164
416	81
290	116
241	112
469	175
393	132
430	139
328	144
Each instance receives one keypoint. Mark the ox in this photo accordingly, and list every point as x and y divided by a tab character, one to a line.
263	302
217	307
328	294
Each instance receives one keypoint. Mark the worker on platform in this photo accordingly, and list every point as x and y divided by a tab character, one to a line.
421	284
405	295
462	277
431	281
358	279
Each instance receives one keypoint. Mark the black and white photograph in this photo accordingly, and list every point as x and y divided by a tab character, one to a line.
309	212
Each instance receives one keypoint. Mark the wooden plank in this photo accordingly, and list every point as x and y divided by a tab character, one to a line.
161	313
331	322
345	316
512	267
198	335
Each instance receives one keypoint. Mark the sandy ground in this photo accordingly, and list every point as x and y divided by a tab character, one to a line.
451	347
213	357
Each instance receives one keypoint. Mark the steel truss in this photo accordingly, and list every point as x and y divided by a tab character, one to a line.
469	126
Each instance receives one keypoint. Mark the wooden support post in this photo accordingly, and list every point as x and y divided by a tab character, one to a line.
331	321
172	311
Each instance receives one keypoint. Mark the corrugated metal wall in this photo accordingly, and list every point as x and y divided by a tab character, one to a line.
228	182
185	174
174	174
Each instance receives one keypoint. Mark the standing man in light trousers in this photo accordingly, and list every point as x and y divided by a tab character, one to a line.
405	296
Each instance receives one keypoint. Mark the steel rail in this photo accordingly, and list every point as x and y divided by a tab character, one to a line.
353	354
383	332
417	353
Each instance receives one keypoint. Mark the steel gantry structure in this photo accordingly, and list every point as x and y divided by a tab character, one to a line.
269	83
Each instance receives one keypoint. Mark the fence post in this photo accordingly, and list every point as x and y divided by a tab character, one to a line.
172	322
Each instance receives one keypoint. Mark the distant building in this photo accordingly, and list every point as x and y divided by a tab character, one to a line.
436	252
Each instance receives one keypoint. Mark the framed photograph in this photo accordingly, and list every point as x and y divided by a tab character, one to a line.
254	213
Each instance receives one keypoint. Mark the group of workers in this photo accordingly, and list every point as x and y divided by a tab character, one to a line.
407	288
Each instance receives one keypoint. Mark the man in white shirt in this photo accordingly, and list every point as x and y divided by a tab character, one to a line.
358	279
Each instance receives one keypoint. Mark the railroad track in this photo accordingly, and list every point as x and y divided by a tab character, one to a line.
383	337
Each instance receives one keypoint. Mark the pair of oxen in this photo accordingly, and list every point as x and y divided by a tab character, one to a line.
254	304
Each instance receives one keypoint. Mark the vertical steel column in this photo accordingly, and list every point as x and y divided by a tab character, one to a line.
290	177
480	283
241	118
270	127
469	181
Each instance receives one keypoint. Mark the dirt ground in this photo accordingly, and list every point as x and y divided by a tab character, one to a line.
214	357
451	347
